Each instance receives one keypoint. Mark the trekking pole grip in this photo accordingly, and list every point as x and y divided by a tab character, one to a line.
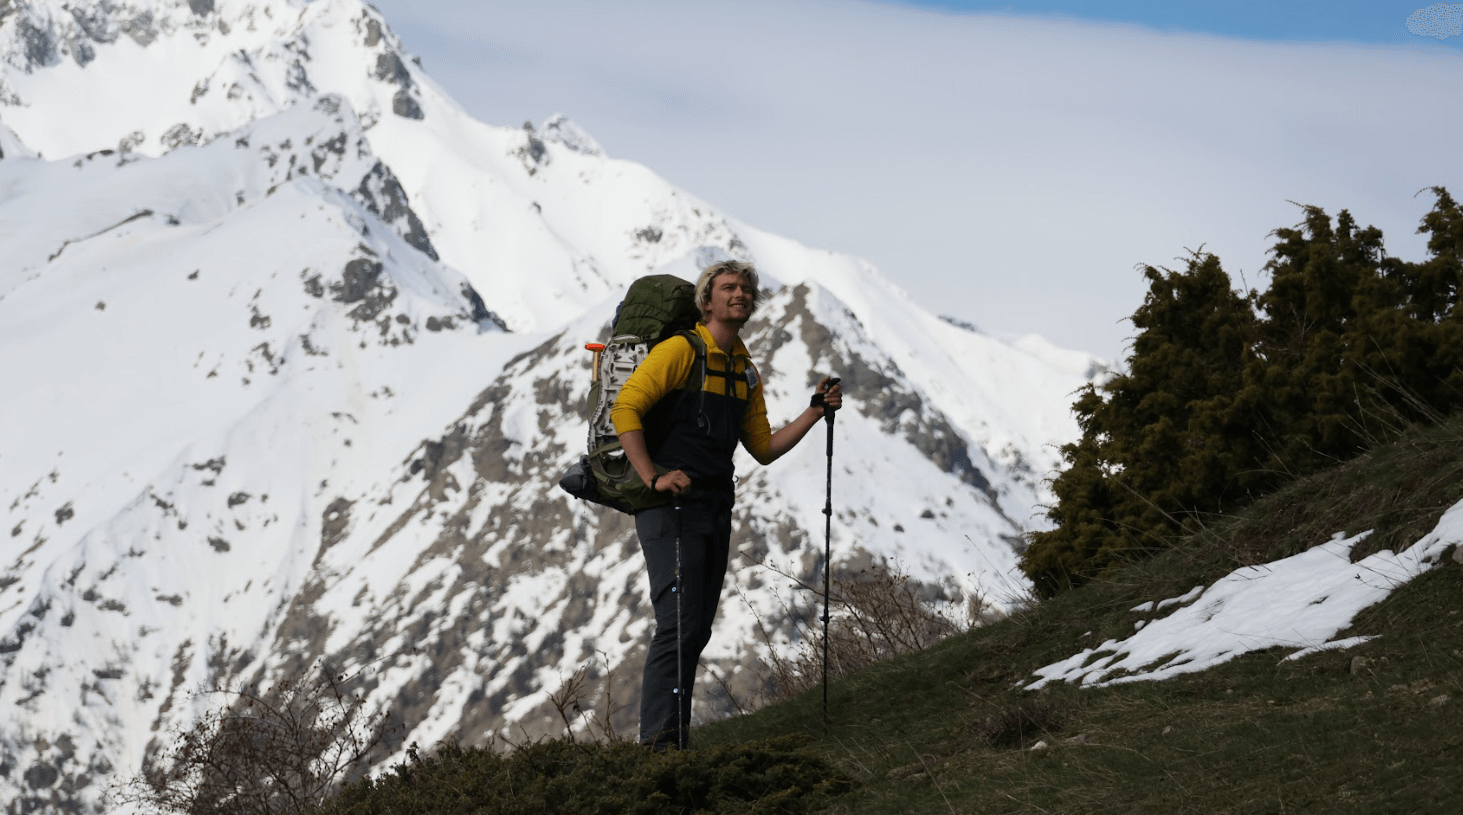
828	410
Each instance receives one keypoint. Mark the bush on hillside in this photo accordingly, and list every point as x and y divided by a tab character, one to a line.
874	613
1229	394
562	776
263	752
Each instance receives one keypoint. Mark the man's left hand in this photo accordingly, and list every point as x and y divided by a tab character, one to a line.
832	397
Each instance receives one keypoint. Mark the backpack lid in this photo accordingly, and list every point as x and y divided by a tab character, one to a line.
657	306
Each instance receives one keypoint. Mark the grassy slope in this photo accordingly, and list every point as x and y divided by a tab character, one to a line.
1328	733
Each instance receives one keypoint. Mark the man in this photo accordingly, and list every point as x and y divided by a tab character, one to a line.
681	444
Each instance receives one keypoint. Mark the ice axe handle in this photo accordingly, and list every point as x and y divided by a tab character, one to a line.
598	348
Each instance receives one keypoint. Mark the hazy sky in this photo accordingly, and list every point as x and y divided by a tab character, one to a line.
1007	163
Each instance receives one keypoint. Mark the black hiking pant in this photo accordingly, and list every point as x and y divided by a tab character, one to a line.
704	527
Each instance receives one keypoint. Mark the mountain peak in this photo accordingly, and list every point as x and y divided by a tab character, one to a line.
227	62
262	410
559	129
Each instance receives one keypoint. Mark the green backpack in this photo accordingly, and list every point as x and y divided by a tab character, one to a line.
656	308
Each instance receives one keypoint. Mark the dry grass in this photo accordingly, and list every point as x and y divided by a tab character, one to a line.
874	614
586	703
1022	724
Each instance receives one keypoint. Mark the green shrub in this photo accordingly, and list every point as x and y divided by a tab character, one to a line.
562	776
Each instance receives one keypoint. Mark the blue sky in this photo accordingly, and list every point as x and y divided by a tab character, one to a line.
1378	22
1008	165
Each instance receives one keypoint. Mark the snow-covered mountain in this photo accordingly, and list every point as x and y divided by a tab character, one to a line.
291	355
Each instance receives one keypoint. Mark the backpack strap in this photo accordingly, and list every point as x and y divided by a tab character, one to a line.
693	389
700	370
697	378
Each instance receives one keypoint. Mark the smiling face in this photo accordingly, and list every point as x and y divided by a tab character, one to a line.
733	297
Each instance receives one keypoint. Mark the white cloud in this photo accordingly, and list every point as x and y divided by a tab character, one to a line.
1441	20
1010	171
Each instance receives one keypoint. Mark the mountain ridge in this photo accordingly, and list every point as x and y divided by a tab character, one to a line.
300	390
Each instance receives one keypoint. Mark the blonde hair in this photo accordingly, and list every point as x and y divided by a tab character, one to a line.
715	270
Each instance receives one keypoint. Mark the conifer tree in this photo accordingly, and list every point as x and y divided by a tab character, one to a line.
1227	395
1159	442
1412	346
1354	345
1303	382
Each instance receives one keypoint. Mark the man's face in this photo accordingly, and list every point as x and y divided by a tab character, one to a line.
731	299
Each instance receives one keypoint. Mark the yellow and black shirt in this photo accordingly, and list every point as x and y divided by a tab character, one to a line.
696	432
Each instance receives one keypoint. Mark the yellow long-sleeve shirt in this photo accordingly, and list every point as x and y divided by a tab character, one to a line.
665	371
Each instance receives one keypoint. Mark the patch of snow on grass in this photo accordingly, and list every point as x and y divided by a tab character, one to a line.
1301	602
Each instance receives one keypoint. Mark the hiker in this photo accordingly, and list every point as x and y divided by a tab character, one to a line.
681	444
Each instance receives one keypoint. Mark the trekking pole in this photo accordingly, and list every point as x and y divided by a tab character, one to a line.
827	551
680	663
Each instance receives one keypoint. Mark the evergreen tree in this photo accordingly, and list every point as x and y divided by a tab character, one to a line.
1303	383
1160	442
1355	345
1412	344
1226	395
